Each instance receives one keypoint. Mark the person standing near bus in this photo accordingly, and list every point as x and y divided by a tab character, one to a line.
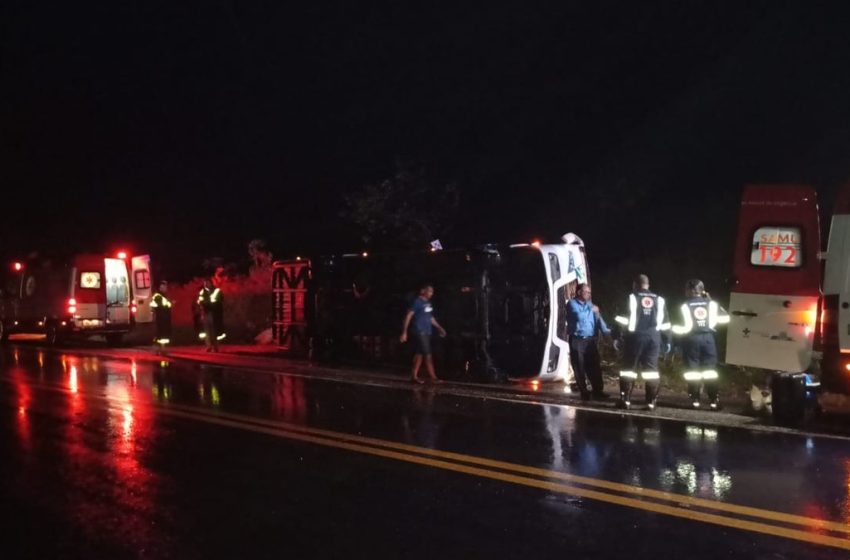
643	329
211	303
161	306
583	327
421	314
700	317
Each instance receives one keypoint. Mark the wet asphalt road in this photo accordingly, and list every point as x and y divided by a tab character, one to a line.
103	458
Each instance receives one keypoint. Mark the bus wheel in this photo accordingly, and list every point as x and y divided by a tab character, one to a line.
114	339
54	335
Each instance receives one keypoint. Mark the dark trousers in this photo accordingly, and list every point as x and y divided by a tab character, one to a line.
584	357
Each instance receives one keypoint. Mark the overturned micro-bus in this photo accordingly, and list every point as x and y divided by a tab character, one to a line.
502	305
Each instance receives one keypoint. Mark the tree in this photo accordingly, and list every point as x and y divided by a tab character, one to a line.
406	210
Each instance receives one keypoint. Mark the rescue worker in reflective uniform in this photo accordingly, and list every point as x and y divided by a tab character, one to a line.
642	332
700	317
161	306
211	302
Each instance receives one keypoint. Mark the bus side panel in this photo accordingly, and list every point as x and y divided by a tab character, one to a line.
835	316
777	279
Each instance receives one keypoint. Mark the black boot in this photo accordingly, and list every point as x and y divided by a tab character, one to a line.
693	392
712	389
626	386
652	388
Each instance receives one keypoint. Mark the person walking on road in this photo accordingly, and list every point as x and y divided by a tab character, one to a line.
421	315
643	329
161	306
584	323
211	303
700	317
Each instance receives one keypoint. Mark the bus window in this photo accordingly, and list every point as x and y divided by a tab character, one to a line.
777	246
554	267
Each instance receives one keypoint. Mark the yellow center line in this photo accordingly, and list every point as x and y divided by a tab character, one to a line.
748	511
674	511
447	460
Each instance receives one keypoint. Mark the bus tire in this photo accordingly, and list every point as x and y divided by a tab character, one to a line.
53	336
114	339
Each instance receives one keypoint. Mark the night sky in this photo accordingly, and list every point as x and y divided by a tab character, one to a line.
188	128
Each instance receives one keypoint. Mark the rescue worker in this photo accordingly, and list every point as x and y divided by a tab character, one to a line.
700	317
642	331
161	306
211	302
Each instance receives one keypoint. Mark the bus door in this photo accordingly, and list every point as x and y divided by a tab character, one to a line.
775	297
142	289
117	292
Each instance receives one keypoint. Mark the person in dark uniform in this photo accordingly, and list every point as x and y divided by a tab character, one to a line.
161	306
700	317
421	314
211	303
642	331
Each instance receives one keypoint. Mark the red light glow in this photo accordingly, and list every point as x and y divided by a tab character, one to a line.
122	255
535	243
18	266
133	308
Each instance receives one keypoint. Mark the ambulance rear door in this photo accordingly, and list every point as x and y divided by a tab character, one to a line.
142	287
775	297
117	285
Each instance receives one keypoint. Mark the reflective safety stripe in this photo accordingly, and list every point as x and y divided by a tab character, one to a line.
215	294
622	320
693	376
709	374
659	317
689	323
202	335
153	303
649	375
628	374
715	317
222	336
163	341
632	312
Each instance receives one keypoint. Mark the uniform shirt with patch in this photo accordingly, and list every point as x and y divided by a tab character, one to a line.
423	312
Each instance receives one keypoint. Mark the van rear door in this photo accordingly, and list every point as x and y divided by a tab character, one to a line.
142	288
777	271
117	292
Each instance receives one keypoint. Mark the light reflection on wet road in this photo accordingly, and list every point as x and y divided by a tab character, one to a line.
110	458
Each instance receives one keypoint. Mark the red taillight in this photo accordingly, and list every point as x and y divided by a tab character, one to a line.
72	306
133	308
122	255
18	266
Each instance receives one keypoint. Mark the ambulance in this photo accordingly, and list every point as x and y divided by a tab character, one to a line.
790	302
85	295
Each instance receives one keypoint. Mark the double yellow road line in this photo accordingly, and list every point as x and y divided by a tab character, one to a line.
795	527
778	524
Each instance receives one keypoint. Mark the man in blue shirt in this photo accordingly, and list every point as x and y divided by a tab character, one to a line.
584	323
421	313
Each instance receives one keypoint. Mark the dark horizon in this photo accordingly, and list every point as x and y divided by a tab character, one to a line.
186	131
